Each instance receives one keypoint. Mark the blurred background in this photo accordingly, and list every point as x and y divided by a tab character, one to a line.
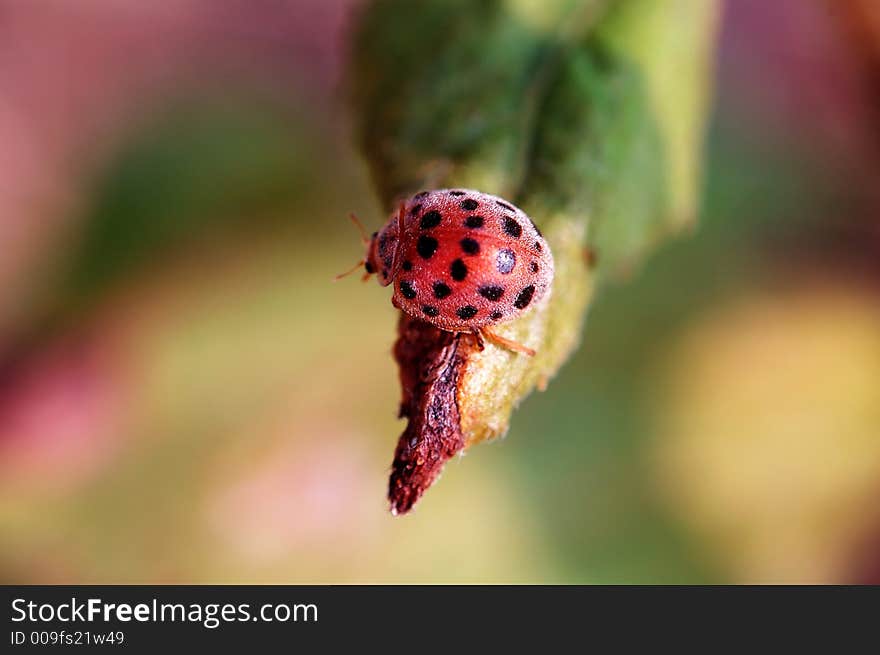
186	398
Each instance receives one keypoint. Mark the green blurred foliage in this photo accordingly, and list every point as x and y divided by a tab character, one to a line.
198	169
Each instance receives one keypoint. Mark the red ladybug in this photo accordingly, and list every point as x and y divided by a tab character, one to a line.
463	261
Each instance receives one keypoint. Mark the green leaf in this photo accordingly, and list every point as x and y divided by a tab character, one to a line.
198	168
589	115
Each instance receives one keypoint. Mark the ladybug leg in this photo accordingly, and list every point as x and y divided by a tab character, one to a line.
478	337
366	241
507	343
352	270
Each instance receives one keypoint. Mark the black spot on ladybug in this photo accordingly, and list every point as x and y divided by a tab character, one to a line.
375	234
466	312
384	272
524	298
407	265
456	193
474	221
505	205
534	267
491	292
441	290
415	210
369	268
458	270
470	246
430	219
513	228
406	288
505	261
430	310
470	204
421	194
426	246
538	246
495	316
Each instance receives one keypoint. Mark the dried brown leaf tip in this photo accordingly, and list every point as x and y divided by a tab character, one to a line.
431	362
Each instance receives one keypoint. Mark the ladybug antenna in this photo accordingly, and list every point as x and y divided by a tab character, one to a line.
360	226
365	240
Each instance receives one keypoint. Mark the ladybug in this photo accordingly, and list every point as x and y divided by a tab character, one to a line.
462	261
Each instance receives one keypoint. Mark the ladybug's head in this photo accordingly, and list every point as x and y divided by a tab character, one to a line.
382	248
381	253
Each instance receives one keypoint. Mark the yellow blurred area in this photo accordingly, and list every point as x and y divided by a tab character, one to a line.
769	437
